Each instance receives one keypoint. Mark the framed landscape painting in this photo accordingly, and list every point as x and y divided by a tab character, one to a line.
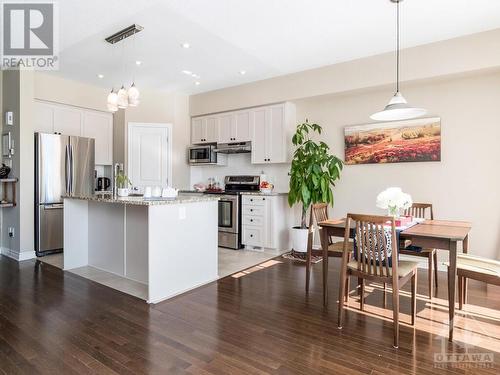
394	142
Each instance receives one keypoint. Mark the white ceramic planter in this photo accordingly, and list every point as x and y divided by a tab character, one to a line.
122	192
299	239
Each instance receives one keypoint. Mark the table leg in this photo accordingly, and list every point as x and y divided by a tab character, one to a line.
452	288
324	245
465	248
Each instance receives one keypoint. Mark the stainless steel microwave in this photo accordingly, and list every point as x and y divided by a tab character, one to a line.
202	154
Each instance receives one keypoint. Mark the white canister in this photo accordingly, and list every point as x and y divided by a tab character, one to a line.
156	193
147	192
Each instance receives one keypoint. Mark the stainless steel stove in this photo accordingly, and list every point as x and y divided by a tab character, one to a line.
230	208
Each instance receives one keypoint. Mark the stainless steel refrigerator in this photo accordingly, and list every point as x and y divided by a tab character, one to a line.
64	165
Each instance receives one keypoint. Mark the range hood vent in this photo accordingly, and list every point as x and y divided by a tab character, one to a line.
234	148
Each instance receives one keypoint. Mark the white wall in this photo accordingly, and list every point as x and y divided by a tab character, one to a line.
465	185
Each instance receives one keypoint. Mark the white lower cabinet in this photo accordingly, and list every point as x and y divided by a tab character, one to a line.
264	221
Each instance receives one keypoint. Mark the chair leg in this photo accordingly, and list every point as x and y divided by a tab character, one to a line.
362	295
347	288
414	298
384	303
435	256
460	292
360	280
465	290
395	313
430	275
308	269
343	277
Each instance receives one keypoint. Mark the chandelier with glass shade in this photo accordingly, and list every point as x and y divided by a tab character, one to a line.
124	97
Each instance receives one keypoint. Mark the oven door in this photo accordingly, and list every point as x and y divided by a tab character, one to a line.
228	214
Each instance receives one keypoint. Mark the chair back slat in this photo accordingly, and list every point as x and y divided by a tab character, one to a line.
375	242
421	211
320	213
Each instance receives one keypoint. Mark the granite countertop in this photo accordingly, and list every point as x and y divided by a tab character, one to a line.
140	201
264	194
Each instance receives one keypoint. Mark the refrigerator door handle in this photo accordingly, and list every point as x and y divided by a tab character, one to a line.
53	206
68	170
71	168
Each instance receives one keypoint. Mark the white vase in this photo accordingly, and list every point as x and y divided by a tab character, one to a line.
122	192
299	239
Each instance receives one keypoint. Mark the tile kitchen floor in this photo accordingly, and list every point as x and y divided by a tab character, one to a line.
230	262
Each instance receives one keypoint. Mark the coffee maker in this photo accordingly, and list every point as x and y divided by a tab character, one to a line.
103	183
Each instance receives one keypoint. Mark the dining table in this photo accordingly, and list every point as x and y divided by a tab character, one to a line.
437	234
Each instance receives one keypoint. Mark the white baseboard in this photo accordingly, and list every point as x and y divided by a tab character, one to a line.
16	255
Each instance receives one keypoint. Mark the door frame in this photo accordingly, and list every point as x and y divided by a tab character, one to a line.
168	127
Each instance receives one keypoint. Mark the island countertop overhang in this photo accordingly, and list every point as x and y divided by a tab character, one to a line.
140	201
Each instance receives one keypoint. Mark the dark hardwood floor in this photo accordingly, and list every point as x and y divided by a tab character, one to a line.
258	322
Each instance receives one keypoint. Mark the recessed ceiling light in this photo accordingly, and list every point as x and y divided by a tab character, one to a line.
188	72
100	76
195	75
138	62
197	83
243	72
185	45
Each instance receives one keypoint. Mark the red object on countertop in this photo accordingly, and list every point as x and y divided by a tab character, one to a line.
403	221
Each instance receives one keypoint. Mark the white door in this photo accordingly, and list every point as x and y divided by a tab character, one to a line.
99	125
241	128
225	128
197	130
149	154
259	129
67	120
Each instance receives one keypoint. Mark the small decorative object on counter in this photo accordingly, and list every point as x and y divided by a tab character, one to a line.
147	192
200	188
122	184
4	171
266	187
156	192
169	192
394	200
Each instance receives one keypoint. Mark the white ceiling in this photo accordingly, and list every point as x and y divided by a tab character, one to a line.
265	38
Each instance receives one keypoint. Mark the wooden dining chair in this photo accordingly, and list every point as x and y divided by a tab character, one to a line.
424	211
376	259
476	268
319	212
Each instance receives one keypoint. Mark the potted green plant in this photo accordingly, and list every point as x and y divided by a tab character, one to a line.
122	184
312	176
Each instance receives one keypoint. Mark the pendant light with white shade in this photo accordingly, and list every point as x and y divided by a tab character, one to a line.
398	108
123	98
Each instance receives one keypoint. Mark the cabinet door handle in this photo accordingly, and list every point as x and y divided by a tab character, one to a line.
263	199
251	210
251	200
251	220
251	235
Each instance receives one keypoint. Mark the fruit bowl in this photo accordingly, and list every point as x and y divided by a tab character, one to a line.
266	190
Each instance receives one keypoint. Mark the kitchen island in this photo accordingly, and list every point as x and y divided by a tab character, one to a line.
168	246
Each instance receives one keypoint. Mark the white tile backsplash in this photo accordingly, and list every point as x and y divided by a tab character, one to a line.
239	164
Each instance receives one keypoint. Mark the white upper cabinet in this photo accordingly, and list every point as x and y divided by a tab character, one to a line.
226	125
99	125
259	118
68	120
271	133
241	128
44	118
197	132
269	128
204	130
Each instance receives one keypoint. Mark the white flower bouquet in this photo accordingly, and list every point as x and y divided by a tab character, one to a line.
394	200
